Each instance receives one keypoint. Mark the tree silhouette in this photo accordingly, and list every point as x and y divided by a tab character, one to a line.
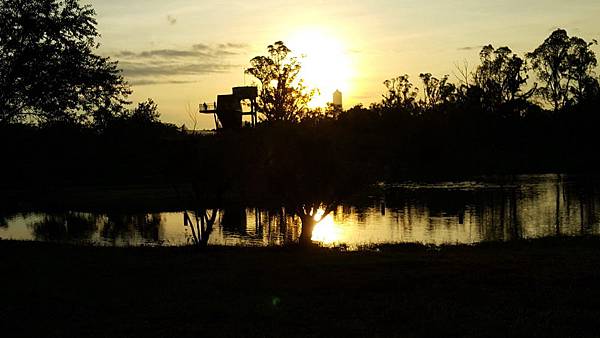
583	62
436	91
48	69
201	225
146	112
283	96
565	66
400	94
501	77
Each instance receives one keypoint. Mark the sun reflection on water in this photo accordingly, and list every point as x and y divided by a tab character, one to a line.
432	214
326	231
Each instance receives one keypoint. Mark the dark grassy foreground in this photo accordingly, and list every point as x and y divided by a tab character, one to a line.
541	288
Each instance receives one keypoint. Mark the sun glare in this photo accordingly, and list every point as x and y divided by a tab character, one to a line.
326	64
326	231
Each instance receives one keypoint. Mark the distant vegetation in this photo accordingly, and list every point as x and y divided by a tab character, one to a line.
64	119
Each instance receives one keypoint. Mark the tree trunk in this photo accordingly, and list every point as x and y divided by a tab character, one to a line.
308	225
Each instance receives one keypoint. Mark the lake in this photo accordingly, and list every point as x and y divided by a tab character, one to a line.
499	208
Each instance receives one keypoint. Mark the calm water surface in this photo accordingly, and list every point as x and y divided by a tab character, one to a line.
487	209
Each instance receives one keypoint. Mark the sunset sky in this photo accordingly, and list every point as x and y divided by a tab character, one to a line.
183	52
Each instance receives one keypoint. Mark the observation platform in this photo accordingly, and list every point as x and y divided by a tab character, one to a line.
228	110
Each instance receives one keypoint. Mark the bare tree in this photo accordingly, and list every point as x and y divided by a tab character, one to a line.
463	73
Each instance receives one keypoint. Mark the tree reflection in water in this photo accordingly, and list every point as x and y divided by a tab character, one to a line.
4	221
87	227
201	224
123	227
460	212
310	215
65	227
234	220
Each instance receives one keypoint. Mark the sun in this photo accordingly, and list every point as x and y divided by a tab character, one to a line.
326	63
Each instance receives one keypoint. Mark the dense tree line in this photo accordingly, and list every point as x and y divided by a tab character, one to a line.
50	73
501	85
64	120
510	114
48	69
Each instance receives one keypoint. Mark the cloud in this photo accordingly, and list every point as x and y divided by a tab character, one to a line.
470	48
171	19
200	46
161	53
233	45
125	53
197	50
175	66
153	82
137	70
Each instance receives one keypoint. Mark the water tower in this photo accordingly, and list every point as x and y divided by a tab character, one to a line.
337	99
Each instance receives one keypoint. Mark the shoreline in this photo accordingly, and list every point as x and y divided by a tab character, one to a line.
546	287
161	196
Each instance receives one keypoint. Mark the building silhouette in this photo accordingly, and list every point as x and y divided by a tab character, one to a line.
227	110
337	99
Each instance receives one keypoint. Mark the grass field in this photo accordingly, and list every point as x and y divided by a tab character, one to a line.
541	288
